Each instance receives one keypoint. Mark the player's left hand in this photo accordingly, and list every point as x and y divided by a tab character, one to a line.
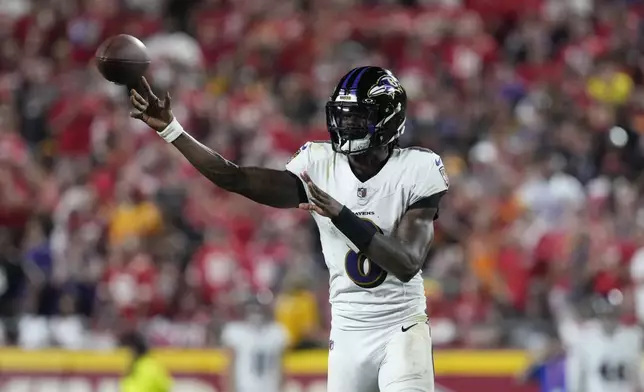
320	201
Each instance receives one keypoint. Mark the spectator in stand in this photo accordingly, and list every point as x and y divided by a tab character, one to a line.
13	282
215	270
134	216
128	283
67	329
297	311
609	85
637	276
37	251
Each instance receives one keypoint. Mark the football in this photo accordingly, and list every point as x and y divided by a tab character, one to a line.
122	59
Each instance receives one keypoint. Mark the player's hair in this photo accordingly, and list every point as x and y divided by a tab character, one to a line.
136	342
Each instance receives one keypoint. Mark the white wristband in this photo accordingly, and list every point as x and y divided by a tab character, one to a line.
172	131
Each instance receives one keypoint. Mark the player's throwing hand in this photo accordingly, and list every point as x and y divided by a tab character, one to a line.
320	201
156	113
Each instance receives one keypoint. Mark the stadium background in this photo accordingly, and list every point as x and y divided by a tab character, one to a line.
535	106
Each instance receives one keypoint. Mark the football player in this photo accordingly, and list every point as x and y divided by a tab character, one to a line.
374	204
256	346
606	355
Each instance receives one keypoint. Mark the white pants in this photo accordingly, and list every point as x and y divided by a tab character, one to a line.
389	360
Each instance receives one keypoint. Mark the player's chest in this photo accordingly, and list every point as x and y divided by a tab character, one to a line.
378	201
258	340
615	348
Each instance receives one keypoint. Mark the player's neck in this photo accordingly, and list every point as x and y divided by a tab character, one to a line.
610	329
367	165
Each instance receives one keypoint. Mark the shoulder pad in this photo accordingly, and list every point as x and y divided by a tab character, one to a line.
318	149
423	149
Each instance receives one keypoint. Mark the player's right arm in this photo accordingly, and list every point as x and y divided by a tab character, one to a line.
275	188
574	368
229	379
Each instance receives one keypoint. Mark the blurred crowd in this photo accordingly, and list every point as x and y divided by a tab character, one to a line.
536	107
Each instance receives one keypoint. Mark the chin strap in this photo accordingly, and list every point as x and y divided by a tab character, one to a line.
359	144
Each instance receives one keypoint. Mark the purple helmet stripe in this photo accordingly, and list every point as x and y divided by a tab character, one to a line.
346	79
354	86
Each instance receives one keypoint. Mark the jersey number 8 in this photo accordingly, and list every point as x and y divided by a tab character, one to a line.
613	372
361	271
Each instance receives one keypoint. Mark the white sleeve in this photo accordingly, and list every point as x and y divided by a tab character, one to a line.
300	161
431	177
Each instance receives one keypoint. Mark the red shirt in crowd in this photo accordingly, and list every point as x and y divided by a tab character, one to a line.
131	287
15	192
71	121
614	274
513	266
215	269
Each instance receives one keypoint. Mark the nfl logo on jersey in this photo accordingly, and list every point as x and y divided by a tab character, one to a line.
362	193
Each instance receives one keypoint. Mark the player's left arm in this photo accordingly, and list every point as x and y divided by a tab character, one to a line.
229	379
638	371
402	254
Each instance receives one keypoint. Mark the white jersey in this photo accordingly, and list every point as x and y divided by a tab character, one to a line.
603	362
362	295
258	354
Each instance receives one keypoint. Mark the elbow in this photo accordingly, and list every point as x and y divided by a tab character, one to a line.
409	270
232	180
